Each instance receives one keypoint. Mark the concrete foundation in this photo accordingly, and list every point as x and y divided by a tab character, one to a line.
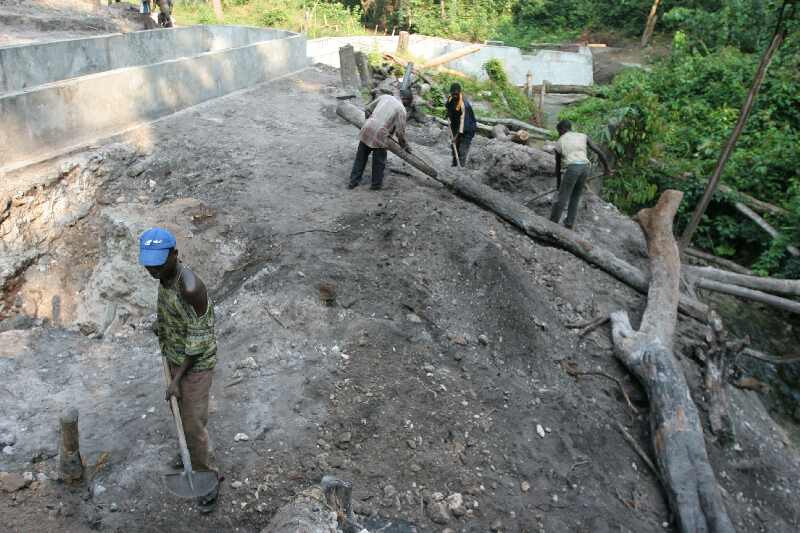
60	94
555	66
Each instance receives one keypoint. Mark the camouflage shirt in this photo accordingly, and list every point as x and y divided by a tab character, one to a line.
182	333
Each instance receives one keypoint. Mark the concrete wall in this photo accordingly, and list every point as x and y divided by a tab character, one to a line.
567	68
52	117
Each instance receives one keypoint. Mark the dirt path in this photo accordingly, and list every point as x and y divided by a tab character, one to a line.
440	369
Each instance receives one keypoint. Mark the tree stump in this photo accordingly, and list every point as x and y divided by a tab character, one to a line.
675	426
70	453
402	42
347	67
362	64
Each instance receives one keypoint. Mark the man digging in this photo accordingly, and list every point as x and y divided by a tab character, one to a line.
185	330
570	149
386	115
462	124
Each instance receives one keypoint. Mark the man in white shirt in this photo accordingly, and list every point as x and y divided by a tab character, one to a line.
571	148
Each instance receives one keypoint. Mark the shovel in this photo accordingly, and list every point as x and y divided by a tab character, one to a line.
189	483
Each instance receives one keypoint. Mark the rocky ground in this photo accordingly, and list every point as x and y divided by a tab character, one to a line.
436	382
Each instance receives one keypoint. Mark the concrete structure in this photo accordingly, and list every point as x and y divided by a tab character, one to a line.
61	94
555	66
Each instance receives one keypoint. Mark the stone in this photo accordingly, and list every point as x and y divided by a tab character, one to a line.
98	489
483	339
7	437
437	496
461	340
236	485
438	513
455	503
497	525
248	363
413	318
8	450
240	437
12	482
253	348
344	440
411	443
540	430
389	491
113	507
525	486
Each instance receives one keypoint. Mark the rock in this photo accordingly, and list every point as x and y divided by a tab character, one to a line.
540	430
389	491
461	340
429	368
113	507
483	339
458	356
437	496
455	503
497	525
12	482
239	437
253	348
7	437
236	485
248	363
411	443
438	513
344	440
43	454
28	476
8	450
525	486
413	318
97	490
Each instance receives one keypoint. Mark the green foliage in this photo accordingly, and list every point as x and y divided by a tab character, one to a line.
496	71
273	18
673	122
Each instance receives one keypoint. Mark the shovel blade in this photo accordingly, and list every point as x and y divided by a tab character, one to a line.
202	483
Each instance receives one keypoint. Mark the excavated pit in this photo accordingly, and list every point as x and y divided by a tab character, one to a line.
443	353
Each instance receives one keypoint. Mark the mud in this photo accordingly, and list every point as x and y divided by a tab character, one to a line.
442	355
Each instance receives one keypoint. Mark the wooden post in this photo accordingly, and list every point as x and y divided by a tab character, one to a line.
541	103
217	9
407	76
529	85
70	453
362	63
402	42
651	23
347	67
766	59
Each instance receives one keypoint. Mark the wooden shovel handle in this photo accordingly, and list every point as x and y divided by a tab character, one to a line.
176	414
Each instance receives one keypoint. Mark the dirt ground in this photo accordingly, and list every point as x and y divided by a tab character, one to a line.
440	369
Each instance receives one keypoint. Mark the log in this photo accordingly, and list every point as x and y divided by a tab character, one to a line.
676	431
763	224
713	259
754	203
355	116
749	294
402	42
69	456
539	228
451	56
520	137
551	88
483	129
406	83
347	67
362	64
500	133
515	124
787	287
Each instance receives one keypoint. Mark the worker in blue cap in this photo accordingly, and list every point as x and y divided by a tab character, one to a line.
185	329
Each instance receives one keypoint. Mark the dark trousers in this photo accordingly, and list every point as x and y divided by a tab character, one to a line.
570	192
378	164
463	143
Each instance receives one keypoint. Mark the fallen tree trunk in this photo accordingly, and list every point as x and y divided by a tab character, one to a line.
451	56
515	124
551	88
675	426
483	129
713	259
533	225
754	203
355	116
749	294
788	287
763	224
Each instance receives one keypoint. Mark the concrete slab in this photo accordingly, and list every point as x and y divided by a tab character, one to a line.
555	66
206	62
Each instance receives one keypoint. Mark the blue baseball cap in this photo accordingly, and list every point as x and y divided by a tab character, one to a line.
154	246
